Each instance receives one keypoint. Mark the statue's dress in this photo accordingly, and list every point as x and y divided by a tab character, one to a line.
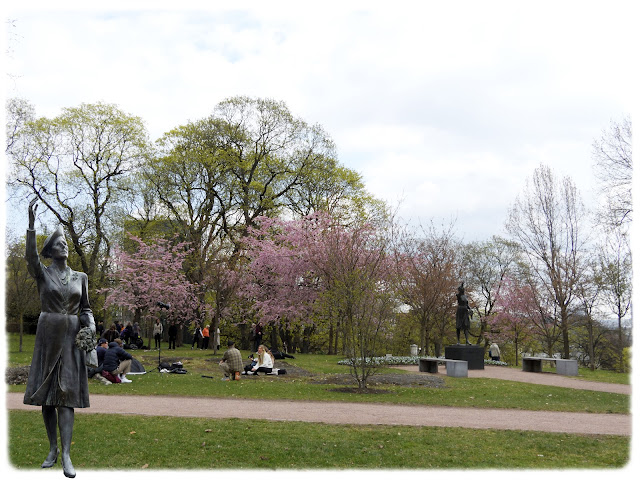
462	313
58	373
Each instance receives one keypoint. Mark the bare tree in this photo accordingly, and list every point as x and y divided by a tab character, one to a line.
356	268
427	280
588	293
615	276
613	166
546	221
486	265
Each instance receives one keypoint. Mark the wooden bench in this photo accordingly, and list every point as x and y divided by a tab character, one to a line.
455	368
564	366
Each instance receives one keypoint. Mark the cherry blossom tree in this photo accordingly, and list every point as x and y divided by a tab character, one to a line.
300	268
281	277
148	278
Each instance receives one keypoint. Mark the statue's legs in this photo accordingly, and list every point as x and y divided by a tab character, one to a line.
50	418
65	420
458	335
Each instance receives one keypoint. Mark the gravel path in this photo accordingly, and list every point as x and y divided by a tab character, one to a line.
545	378
377	413
352	413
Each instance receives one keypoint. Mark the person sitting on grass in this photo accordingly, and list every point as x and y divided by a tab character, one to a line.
231	361
264	363
96	372
252	363
117	361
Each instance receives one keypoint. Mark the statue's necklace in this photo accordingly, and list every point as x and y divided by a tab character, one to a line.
64	277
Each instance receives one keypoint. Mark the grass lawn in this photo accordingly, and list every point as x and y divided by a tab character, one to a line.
186	443
460	392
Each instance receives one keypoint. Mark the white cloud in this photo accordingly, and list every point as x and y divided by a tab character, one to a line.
425	99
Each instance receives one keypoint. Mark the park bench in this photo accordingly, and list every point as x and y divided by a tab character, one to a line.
455	368
564	366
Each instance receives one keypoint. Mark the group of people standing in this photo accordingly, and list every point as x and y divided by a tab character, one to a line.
201	338
130	333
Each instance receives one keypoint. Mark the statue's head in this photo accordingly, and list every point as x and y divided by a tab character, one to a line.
461	288
55	245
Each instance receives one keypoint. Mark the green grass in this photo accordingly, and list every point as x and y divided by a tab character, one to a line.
179	443
459	392
187	443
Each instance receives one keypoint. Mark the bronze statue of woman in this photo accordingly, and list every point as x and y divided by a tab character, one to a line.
463	314
58	374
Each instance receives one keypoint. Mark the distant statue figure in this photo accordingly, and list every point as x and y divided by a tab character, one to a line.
463	315
58	374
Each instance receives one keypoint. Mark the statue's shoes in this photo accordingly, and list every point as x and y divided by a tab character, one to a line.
67	468
50	462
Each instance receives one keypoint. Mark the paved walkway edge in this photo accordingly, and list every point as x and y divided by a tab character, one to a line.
352	413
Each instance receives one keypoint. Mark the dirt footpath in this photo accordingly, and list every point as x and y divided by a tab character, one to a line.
353	413
545	378
378	413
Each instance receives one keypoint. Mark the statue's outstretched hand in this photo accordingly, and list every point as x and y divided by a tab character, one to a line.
32	213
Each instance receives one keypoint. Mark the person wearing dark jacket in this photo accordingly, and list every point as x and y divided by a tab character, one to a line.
111	334
117	361
95	372
173	333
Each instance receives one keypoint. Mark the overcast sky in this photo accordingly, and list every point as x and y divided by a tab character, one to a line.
444	107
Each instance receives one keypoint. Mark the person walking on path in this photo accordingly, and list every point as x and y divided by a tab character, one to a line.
494	352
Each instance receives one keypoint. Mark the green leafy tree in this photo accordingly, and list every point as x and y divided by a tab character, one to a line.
21	293
213	178
76	164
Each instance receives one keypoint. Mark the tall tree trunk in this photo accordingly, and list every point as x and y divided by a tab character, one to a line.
21	320
592	362
331	333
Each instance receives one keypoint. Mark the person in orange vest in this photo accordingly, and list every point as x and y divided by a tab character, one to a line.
205	337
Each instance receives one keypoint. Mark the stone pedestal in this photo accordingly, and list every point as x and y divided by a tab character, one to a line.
473	354
457	368
566	367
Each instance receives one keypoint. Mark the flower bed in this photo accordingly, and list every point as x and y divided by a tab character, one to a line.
406	360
